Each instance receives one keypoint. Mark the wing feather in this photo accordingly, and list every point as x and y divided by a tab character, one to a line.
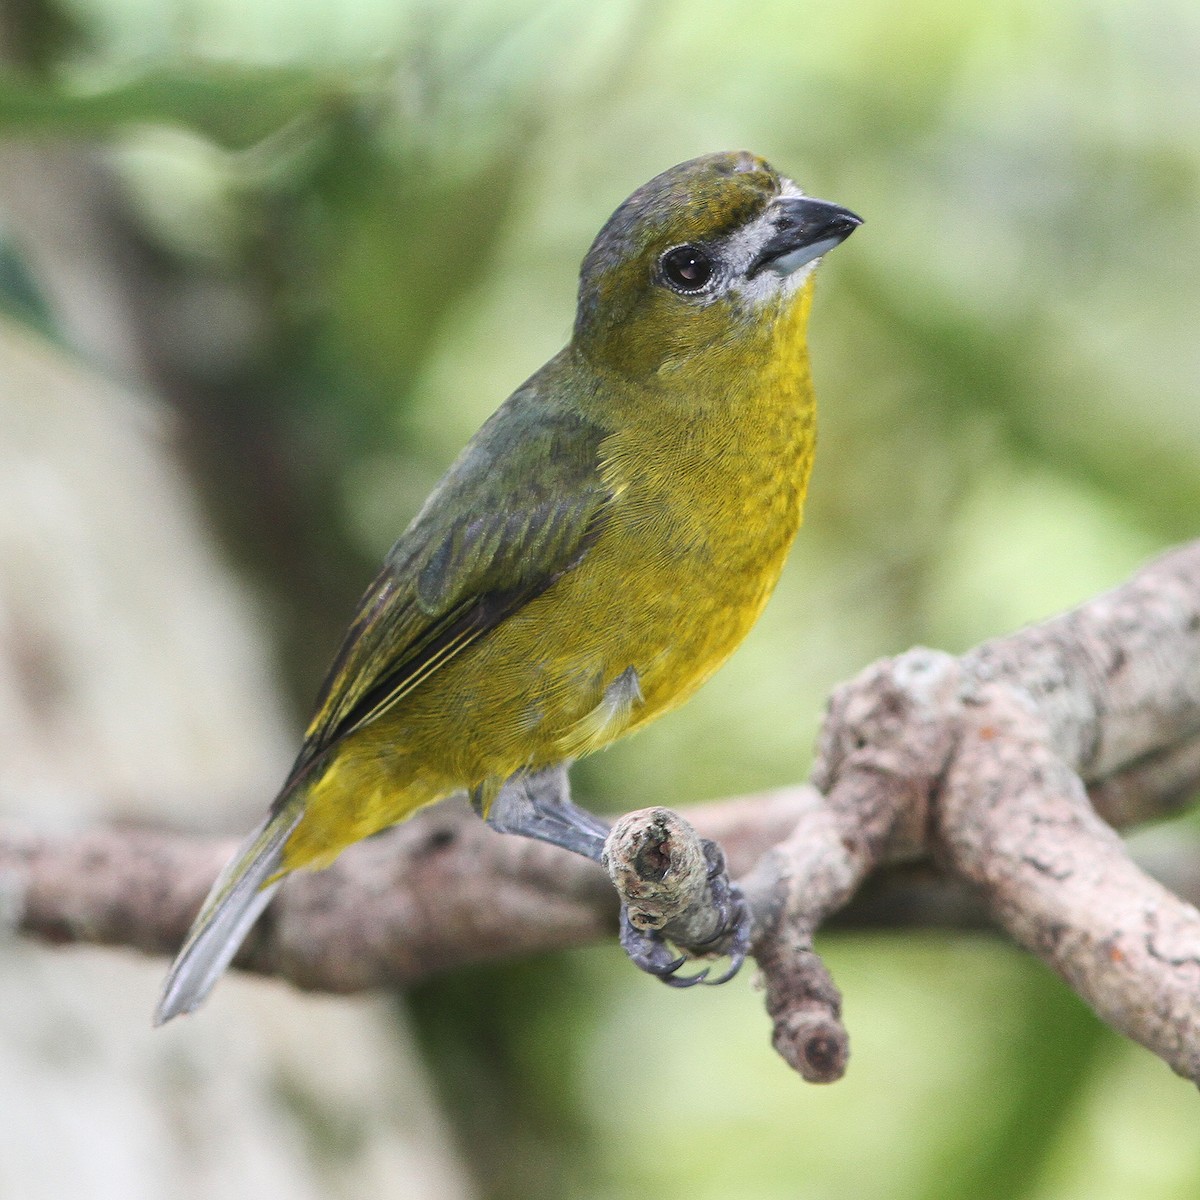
522	505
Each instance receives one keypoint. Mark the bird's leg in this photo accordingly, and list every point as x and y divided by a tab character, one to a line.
537	804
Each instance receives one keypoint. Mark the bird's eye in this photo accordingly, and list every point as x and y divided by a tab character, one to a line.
686	269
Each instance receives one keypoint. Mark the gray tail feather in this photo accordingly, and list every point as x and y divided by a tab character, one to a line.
235	902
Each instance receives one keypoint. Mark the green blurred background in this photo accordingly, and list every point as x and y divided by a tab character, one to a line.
353	227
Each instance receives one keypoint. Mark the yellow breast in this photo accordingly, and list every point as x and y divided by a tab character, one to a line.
699	537
706	506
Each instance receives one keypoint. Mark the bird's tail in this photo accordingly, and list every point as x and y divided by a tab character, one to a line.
239	895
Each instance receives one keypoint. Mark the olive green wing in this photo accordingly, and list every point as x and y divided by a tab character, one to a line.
522	505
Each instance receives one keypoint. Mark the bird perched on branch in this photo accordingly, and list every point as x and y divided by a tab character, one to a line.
596	552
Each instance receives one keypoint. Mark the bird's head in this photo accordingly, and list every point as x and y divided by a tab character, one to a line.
705	256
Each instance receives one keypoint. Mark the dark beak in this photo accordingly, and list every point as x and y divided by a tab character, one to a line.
804	229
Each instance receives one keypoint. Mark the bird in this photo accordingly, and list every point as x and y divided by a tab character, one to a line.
599	548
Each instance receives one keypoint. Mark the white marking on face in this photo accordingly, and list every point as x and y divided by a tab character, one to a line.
781	277
786	264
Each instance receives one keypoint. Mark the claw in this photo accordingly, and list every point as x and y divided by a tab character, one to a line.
686	981
650	952
647	950
739	937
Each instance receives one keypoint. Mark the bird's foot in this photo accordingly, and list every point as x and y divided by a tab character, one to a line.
735	924
649	948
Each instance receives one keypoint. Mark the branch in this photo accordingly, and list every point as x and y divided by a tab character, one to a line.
981	762
958	784
440	891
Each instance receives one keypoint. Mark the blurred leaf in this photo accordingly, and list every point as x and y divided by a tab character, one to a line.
234	106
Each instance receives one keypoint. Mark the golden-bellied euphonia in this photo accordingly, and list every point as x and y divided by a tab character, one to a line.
596	552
